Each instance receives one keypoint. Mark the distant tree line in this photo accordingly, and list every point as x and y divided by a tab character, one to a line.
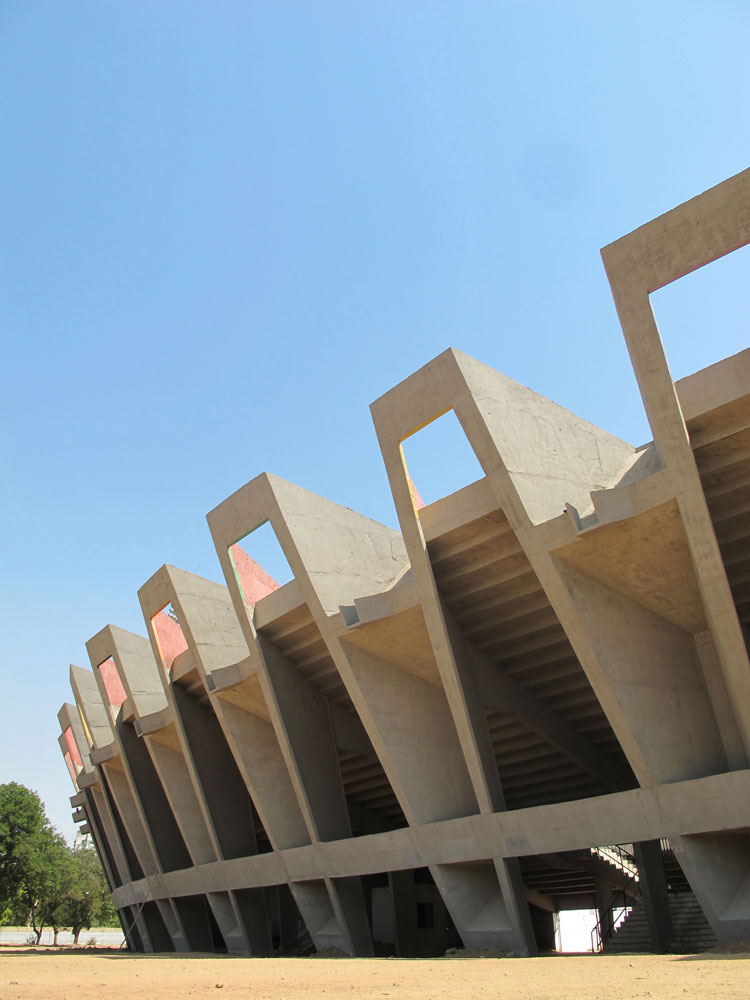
43	882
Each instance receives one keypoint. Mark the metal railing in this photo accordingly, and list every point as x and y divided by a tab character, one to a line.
675	876
621	856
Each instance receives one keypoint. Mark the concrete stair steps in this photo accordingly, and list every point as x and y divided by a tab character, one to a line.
632	935
610	866
691	931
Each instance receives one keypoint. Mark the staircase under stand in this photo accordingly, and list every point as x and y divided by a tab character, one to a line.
691	931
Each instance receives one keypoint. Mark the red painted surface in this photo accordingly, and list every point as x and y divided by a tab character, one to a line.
170	638
112	683
73	747
72	770
418	501
254	580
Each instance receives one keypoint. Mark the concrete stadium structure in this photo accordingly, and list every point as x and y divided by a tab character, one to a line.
535	696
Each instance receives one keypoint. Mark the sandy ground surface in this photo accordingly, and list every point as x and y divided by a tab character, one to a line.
66	974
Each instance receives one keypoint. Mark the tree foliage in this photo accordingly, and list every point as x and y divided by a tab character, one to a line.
22	818
42	881
45	877
87	902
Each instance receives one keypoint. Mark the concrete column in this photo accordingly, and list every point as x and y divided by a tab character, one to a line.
224	791
133	939
483	908
648	857
107	843
306	719
195	917
603	895
164	928
253	917
314	901
164	831
411	720
716	866
652	671
261	762
174	776
348	900
126	822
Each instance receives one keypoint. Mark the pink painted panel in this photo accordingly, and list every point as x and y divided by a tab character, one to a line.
254	580
169	637
112	683
418	501
72	770
73	747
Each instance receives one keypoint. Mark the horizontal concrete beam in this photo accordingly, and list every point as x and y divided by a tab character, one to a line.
703	805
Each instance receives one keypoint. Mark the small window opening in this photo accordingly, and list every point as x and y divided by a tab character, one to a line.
259	563
439	460
116	693
169	635
75	755
575	930
71	769
702	317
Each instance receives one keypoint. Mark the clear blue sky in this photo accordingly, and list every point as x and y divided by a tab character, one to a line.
227	227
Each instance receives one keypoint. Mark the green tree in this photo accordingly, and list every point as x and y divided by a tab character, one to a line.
21	816
88	902
45	875
42	881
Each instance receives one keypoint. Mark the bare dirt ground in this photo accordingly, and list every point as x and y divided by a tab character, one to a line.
68	974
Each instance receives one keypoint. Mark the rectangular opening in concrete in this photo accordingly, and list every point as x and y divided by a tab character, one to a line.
72	770
439	460
588	893
72	746
407	915
259	563
702	316
170	638
116	693
574	930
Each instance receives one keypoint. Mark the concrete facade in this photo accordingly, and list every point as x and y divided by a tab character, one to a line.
444	735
